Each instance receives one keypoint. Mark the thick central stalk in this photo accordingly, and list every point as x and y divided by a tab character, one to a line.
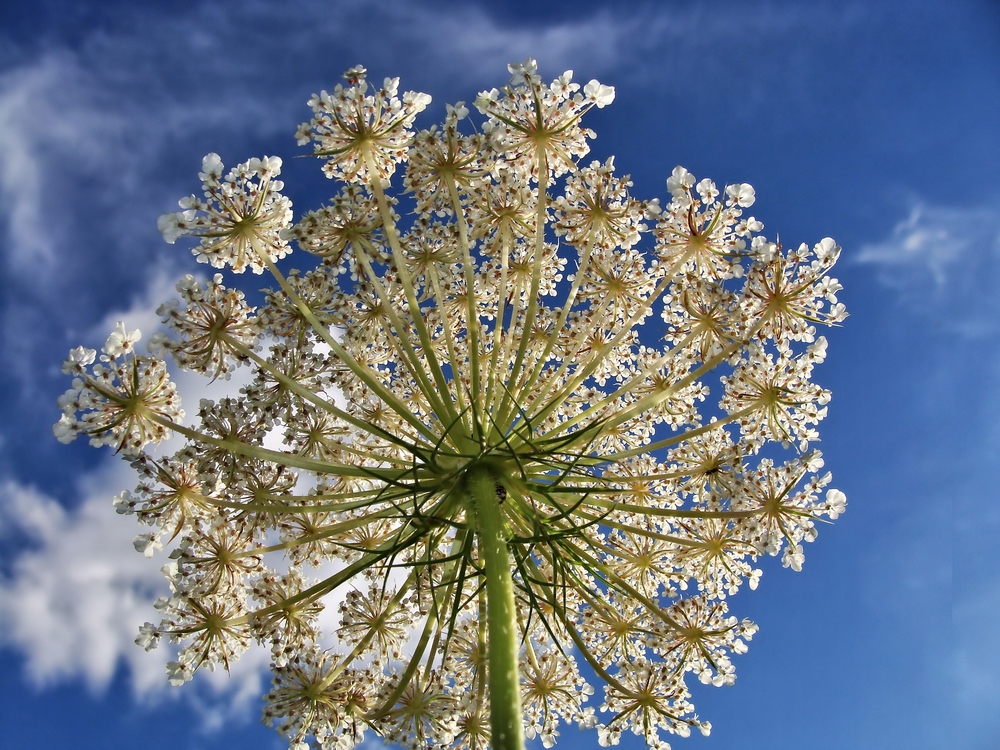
506	721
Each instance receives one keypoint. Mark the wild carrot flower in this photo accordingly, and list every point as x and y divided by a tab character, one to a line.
532	437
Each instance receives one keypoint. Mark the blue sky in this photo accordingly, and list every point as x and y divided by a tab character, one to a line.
873	122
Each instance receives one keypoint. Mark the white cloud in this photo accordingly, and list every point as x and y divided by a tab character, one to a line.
944	262
934	239
141	312
89	126
935	562
72	601
47	120
105	113
75	597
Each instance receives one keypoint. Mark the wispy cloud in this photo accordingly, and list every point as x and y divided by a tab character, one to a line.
72	602
75	596
944	262
90	139
49	128
935	567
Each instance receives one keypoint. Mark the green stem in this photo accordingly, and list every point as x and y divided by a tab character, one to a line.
506	722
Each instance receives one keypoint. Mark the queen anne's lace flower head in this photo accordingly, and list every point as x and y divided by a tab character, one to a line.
361	132
239	220
535	422
537	126
126	401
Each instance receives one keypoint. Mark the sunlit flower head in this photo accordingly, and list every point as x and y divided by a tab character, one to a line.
529	437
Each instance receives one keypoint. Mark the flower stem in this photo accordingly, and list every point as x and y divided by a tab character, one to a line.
506	723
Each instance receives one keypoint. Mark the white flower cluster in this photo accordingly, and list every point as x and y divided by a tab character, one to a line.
127	401
240	219
510	336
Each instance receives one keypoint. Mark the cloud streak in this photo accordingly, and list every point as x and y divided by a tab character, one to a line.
74	598
944	262
72	602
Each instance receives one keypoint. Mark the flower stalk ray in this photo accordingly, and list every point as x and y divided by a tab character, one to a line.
536	421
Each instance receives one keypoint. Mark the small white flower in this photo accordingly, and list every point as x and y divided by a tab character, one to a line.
743	195
178	673
564	86
793	558
147	543
837	503
520	71
598	93
356	75
121	342
827	251
66	429
457	111
78	359
707	190
149	636
679	181
124	503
